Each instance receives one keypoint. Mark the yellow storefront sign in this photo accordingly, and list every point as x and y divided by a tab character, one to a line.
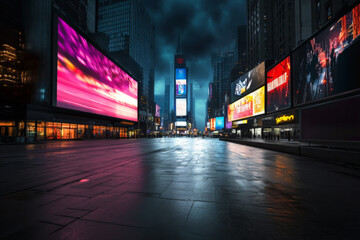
284	118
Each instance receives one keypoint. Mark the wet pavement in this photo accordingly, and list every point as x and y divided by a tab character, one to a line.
172	188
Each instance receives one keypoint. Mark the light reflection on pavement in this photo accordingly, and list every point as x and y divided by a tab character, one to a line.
172	188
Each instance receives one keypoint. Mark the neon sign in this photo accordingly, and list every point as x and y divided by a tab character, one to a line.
180	60
285	118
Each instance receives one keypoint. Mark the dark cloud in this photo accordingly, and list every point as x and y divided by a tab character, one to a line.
205	25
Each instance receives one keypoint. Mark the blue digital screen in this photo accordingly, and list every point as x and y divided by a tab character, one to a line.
180	73
219	123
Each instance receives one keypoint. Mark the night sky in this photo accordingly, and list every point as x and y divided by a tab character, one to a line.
205	25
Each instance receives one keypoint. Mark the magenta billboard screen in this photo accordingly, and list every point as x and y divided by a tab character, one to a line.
88	81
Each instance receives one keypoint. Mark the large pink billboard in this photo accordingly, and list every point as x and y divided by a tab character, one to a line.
88	81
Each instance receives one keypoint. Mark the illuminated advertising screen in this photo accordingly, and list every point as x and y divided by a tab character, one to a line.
157	121
180	124
208	124
251	105
322	67
219	123
88	81
180	79
212	124
181	87
180	73
181	107
157	110
278	90
228	125
248	82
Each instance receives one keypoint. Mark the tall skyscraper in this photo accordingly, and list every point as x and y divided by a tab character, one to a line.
260	32
131	42
222	64
181	88
12	75
192	106
167	118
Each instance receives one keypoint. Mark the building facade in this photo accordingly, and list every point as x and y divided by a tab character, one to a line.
131	34
37	48
222	63
308	93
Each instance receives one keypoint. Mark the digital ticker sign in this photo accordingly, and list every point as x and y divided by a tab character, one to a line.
88	81
322	66
252	104
278	90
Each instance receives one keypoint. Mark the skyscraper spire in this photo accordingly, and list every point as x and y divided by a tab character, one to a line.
179	49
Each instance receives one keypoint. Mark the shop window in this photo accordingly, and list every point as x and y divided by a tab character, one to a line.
53	130
30	131
7	129
65	133
99	131
40	130
21	131
122	133
81	131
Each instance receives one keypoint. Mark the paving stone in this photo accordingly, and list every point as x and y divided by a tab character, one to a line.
172	188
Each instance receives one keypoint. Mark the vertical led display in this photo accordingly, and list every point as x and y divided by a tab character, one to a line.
212	124
251	105
181	107
278	86
180	79
219	123
88	81
157	110
322	67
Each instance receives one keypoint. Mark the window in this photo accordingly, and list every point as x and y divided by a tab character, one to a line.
328	12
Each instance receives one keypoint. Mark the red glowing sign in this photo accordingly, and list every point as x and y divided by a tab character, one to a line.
180	60
278	86
212	124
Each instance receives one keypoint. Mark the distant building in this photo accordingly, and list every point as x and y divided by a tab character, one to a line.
260	31
241	58
166	111
222	64
131	42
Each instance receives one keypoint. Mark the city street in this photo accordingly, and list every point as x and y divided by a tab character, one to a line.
172	188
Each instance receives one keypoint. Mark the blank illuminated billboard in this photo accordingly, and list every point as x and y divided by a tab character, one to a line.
278	86
251	105
88	81
181	107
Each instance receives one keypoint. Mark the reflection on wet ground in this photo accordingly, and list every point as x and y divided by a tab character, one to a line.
172	188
